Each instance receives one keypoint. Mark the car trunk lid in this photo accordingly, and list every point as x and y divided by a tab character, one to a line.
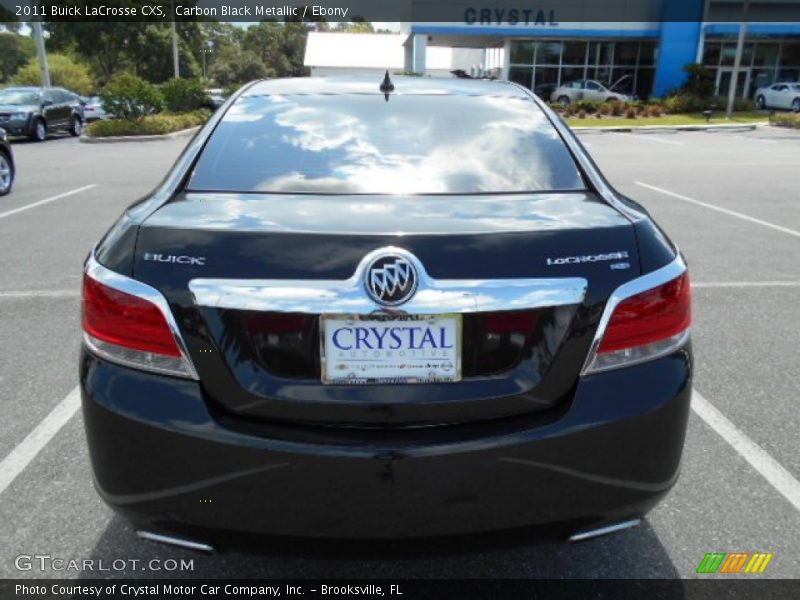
258	363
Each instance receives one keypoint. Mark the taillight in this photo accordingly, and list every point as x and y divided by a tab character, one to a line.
129	328
645	325
118	318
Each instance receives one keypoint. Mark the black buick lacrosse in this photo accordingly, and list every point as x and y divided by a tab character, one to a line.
356	309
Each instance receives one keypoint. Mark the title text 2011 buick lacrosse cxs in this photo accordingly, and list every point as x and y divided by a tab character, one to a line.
355	310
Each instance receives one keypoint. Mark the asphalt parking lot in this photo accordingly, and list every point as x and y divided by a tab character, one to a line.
731	200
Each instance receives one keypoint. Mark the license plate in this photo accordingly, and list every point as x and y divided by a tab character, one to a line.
390	349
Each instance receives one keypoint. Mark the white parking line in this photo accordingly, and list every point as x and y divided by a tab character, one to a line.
732	213
40	294
27	449
744	284
47	200
759	459
755	139
647	136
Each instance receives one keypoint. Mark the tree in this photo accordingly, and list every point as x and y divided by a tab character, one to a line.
280	46
15	51
236	67
151	54
264	40
7	19
295	35
104	45
64	72
355	27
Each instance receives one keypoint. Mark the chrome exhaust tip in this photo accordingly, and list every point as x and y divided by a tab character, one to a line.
175	541
605	530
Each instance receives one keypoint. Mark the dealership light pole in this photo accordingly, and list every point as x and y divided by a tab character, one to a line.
738	60
175	63
41	53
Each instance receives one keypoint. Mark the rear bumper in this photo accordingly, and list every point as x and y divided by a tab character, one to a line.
163	460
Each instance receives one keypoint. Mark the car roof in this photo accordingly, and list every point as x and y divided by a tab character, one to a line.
22	88
362	84
31	88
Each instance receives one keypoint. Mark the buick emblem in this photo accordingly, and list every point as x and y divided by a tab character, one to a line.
391	280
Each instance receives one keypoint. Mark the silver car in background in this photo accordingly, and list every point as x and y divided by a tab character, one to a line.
779	95
94	110
588	89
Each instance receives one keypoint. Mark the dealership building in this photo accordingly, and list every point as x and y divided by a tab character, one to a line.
647	46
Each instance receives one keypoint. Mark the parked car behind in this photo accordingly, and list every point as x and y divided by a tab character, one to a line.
6	164
216	98
93	109
35	112
779	95
587	89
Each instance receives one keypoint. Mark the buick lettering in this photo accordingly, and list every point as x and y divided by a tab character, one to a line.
388	309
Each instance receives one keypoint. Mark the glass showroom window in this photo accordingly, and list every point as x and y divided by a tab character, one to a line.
542	66
763	62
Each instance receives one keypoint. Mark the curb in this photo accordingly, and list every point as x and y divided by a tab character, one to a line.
114	139
654	128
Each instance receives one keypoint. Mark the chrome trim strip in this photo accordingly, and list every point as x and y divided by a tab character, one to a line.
635	286
433	296
593	533
127	285
174	541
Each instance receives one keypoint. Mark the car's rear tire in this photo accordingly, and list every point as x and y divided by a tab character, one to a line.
39	133
563	100
761	103
6	174
796	105
75	126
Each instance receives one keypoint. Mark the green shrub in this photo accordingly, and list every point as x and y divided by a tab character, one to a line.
589	106
785	120
184	94
686	103
159	124
64	72
653	110
744	104
131	97
739	104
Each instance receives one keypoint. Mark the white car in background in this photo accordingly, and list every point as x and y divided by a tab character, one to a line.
93	109
779	95
588	89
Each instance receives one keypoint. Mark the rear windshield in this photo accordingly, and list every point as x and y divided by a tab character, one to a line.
363	144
